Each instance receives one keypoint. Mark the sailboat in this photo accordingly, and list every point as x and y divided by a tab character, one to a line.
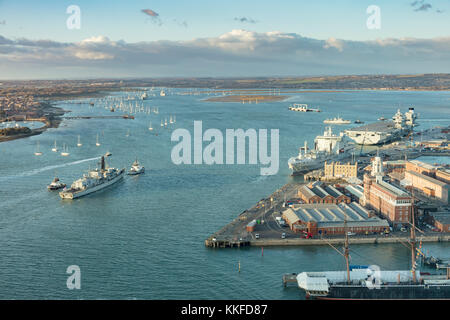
38	153
162	123
170	120
79	144
97	143
55	148
65	151
150	127
128	133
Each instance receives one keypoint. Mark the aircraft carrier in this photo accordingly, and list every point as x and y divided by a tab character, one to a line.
384	131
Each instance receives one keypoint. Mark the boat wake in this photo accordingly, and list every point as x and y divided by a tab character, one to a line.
40	170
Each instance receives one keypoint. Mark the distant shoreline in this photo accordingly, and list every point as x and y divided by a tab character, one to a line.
52	120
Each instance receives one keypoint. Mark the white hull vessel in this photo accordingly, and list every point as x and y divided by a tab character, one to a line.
337	120
81	193
95	180
328	147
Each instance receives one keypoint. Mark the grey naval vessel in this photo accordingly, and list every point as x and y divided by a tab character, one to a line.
384	131
328	147
93	181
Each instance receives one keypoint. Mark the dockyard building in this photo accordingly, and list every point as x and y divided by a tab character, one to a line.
427	185
442	221
318	192
335	170
390	201
331	219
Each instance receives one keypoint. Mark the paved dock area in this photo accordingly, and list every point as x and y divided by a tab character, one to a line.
268	231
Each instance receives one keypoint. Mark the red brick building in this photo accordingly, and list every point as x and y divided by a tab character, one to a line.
392	202
320	193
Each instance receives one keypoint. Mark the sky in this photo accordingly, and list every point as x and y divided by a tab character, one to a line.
231	38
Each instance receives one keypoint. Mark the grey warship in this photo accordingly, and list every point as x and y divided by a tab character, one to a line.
95	180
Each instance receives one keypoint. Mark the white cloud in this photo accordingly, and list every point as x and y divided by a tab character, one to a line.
236	53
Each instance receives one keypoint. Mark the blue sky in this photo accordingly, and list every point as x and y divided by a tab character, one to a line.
186	21
120	19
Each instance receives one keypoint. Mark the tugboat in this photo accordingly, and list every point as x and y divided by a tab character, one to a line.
136	168
95	180
56	185
359	121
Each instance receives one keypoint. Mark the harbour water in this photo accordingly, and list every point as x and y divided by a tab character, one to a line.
144	237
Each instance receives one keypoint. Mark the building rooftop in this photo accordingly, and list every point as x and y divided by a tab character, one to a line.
392	189
333	191
355	190
423	165
330	214
430	179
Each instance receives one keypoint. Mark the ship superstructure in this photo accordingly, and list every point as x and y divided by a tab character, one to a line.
327	147
93	181
384	131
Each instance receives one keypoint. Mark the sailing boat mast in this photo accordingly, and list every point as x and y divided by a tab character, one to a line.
413	239
346	251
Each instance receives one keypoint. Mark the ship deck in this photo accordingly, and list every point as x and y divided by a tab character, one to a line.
380	126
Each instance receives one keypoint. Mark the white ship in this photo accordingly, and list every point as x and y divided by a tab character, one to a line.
136	168
337	120
328	147
56	184
384	131
302	108
162	93
95	180
144	96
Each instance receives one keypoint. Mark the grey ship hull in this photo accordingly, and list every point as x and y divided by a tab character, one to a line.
77	194
389	292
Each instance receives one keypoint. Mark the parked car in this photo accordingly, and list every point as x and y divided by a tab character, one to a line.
283	235
257	236
351	233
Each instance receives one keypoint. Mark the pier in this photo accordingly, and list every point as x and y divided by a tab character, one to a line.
270	233
99	117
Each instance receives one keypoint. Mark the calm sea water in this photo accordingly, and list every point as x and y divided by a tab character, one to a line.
144	237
